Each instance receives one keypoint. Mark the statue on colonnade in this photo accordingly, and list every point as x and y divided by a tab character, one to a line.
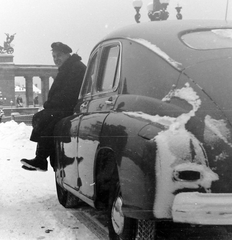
7	47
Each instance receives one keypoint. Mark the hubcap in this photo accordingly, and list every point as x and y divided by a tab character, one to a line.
117	216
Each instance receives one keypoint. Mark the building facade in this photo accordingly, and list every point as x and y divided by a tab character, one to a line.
8	72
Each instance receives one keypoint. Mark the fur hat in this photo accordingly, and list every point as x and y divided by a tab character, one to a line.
59	46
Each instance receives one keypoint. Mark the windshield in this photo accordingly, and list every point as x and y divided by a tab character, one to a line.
208	39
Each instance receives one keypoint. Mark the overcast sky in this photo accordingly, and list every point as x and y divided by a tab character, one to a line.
81	23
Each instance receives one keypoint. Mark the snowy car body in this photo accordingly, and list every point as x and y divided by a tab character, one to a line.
154	118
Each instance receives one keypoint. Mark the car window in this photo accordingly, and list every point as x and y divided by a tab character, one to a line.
108	76
210	39
90	75
145	73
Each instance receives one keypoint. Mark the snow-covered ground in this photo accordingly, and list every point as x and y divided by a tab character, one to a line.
29	206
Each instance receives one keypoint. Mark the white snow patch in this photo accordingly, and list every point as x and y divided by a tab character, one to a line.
222	156
174	152
12	131
225	33
29	205
205	209
216	130
158	51
177	147
186	93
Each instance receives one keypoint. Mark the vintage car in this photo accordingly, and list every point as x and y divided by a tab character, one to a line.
151	135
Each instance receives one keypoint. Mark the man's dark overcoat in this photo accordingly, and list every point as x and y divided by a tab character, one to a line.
61	100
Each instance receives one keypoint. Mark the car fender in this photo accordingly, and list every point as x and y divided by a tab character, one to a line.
135	158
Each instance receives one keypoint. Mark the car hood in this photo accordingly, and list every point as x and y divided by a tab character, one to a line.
214	77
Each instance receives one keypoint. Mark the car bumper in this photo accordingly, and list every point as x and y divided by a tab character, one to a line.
202	208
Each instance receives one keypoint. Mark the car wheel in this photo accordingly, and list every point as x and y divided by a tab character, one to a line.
120	226
124	228
67	199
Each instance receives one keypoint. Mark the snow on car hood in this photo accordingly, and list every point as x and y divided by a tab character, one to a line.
179	149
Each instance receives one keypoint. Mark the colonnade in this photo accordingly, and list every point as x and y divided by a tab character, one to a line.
44	72
29	88
9	70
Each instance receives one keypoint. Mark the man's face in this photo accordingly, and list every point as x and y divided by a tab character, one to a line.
59	57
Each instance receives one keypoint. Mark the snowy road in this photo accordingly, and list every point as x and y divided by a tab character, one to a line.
29	207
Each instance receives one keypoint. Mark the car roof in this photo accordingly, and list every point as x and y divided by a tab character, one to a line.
165	35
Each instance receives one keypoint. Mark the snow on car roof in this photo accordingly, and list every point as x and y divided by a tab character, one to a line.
166	35
209	39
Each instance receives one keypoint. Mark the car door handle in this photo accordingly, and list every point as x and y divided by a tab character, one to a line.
84	105
109	101
101	106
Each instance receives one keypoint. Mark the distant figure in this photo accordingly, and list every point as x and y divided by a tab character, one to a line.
19	101
36	101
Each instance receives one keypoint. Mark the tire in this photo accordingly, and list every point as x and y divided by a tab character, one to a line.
65	198
119	226
123	228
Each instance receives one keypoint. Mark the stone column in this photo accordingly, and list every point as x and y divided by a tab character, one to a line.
44	87
7	82
29	90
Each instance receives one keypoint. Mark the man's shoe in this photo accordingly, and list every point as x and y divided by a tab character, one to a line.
27	168
39	164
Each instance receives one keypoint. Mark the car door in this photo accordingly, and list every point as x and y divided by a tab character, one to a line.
103	96
71	159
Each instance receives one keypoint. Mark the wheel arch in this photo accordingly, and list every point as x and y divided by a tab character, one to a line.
106	170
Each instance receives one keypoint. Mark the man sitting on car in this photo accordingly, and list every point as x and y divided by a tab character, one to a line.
62	98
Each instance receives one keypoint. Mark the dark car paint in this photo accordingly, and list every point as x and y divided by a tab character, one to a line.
211	108
215	80
162	33
103	125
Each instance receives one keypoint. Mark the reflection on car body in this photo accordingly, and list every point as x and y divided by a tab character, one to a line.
150	139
